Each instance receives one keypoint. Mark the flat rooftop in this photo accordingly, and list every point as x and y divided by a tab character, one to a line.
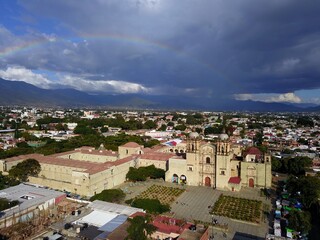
28	196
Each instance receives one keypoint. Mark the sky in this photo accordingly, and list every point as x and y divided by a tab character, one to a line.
239	49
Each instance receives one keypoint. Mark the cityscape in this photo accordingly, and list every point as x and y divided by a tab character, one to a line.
159	120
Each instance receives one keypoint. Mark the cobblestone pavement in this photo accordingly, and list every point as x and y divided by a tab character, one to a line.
195	203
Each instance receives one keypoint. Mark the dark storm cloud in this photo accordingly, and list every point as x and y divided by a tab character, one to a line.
218	46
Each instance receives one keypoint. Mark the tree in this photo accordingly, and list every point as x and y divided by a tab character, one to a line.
150	124
171	124
300	221
150	205
298	165
142	173
85	130
199	130
198	116
287	151
6	181
6	204
163	127
191	120
134	175
104	129
151	143
180	127
258	138
110	195
140	228
29	137
303	141
60	127
24	169
20	150
304	188
305	121
276	164
213	130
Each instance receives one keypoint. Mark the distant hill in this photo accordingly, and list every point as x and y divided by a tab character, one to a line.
24	94
21	93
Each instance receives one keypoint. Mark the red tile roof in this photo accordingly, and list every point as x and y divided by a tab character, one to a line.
170	225
22	157
86	166
131	145
88	150
234	180
158	156
253	151
137	214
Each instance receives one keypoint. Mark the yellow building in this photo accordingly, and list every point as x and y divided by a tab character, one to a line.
87	171
219	165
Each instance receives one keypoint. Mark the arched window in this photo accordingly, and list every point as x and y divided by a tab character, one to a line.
207	160
192	147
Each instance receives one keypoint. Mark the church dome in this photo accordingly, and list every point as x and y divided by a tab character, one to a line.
194	135
223	136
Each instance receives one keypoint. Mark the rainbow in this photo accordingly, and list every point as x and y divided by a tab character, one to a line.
19	48
155	44
116	38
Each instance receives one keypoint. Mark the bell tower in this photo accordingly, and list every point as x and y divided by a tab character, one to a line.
223	148
193	142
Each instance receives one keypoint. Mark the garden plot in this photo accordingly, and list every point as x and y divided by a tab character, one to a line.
238	208
166	195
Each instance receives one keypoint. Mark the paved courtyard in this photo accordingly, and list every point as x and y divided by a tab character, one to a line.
195	203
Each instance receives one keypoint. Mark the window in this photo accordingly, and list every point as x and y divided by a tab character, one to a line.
208	160
190	168
222	172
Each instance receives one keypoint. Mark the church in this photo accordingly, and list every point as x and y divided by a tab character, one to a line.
87	171
220	165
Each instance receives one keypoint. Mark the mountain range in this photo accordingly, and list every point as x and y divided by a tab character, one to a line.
24	94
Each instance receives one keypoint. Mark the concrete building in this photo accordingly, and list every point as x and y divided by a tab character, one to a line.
33	201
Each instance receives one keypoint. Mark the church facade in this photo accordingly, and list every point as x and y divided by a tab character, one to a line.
219	165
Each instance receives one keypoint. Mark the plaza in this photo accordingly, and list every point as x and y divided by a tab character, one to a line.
195	203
